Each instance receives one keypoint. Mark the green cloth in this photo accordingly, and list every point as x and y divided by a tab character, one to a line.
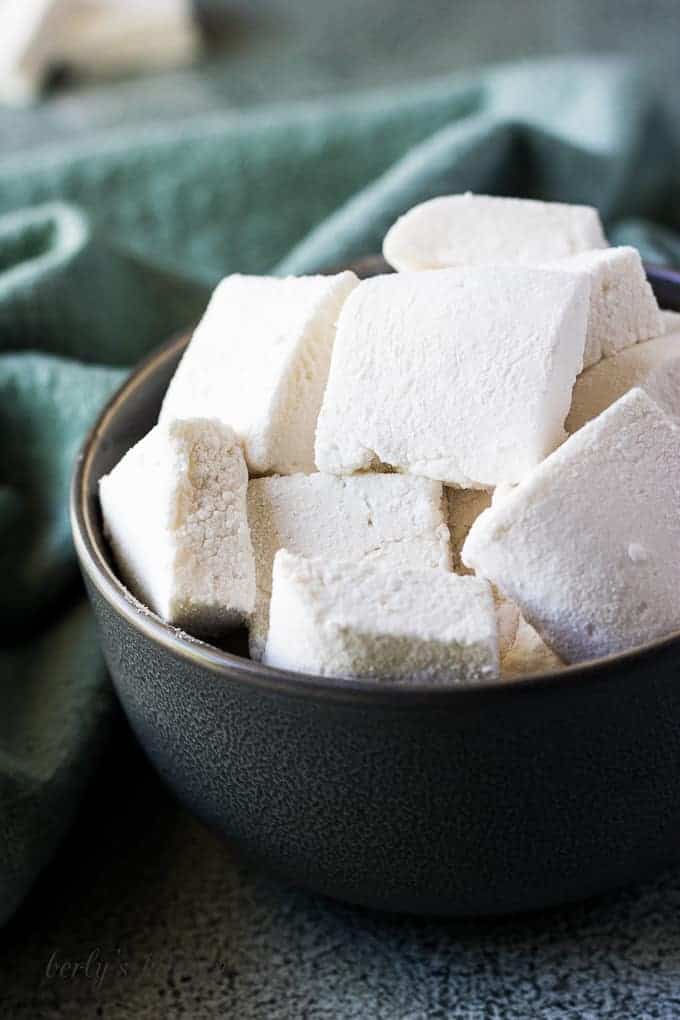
106	250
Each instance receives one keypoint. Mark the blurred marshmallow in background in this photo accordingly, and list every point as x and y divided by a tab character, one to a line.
90	38
28	30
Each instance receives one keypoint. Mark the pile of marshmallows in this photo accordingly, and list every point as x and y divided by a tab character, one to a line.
466	469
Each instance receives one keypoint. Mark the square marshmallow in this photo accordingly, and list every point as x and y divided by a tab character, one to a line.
361	620
363	518
174	511
469	230
459	375
654	365
588	545
623	309
258	361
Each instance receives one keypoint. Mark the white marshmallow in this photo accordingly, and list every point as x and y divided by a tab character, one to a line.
93	37
105	37
623	309
588	545
363	620
467	230
460	375
653	365
362	519
500	493
670	322
258	361
174	511
26	48
528	654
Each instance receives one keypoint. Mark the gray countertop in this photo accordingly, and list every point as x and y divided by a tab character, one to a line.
146	913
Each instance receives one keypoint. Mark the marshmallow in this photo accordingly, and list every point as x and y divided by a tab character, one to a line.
500	493
670	322
365	620
105	37
362	519
653	365
468	230
174	511
258	361
28	30
528	654
92	37
623	309
459	375
588	545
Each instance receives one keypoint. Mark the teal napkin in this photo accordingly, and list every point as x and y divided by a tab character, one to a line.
108	248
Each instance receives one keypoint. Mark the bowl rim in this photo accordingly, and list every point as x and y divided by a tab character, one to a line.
89	541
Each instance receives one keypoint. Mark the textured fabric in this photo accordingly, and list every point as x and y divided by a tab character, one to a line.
107	249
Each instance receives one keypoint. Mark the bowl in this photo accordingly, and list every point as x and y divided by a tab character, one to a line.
491	799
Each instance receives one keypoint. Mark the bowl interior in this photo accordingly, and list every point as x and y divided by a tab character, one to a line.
134	410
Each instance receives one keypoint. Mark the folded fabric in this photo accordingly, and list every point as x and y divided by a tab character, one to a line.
66	290
56	710
160	216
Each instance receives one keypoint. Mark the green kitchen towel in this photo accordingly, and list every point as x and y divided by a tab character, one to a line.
107	249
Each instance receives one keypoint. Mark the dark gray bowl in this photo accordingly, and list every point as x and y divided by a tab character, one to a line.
505	797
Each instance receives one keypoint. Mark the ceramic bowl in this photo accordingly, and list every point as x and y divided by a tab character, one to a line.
492	799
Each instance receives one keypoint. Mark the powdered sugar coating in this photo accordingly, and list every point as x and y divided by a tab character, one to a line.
654	365
174	511
623	310
363	519
362	619
258	362
468	230
588	546
459	375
